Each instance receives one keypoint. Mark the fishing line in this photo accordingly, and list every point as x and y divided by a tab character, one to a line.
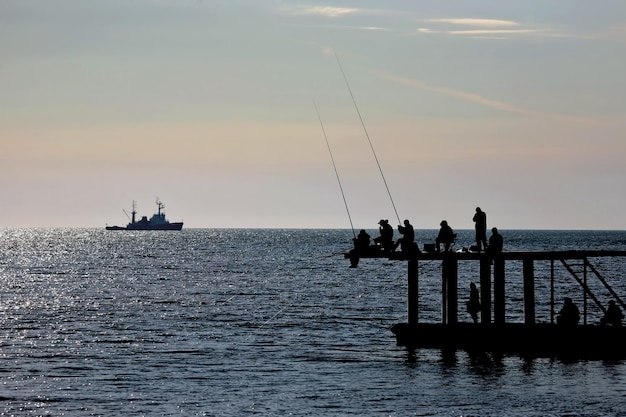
335	167
368	138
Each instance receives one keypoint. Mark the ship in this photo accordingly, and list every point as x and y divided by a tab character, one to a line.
156	222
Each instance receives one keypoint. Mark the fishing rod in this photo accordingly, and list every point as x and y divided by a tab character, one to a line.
335	167
368	138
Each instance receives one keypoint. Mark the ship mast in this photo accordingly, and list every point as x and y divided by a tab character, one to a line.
159	206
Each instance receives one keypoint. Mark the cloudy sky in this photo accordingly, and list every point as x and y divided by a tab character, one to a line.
428	108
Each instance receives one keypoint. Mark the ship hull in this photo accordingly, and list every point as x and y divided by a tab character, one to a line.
138	226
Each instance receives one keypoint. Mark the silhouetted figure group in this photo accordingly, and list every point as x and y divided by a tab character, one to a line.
447	237
384	243
569	315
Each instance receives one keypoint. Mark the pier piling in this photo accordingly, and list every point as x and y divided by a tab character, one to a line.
413	291
485	290
529	291
498	291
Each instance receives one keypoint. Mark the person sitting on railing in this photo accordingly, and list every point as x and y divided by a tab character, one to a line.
613	315
569	314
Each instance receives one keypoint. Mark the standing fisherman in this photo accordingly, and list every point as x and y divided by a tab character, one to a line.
480	220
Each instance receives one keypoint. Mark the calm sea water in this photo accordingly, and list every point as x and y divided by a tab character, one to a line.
264	322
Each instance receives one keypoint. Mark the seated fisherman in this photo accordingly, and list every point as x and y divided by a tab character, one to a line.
386	236
407	241
613	315
569	314
362	242
496	242
361	247
446	236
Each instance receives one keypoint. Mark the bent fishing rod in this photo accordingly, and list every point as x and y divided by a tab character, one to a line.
335	168
368	138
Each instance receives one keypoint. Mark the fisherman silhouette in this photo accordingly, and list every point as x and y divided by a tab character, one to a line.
480	225
496	242
362	242
445	236
361	247
613	315
569	314
407	241
386	236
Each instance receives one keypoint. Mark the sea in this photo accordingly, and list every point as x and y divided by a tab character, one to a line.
271	322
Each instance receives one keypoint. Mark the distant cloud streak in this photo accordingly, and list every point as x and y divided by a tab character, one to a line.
492	32
474	98
475	22
326	11
477	28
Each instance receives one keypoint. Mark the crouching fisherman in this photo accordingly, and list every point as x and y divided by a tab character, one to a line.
361	248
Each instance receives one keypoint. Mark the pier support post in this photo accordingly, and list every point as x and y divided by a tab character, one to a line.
450	279
529	291
413	290
498	291
485	290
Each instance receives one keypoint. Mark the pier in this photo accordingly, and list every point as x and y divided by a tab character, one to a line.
493	333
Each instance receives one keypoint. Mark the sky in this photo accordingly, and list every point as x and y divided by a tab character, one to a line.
313	114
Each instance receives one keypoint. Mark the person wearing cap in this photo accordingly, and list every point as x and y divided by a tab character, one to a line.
386	235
